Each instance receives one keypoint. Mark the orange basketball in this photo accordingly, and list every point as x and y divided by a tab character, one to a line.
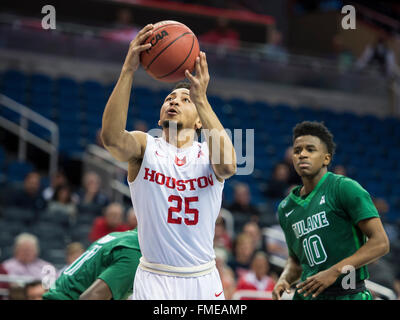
174	48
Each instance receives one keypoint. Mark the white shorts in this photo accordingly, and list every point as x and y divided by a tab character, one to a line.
154	286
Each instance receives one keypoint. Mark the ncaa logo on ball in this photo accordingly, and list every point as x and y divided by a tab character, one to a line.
156	39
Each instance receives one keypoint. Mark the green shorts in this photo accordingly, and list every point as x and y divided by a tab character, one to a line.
363	295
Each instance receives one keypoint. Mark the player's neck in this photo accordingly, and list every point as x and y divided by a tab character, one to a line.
178	139
310	182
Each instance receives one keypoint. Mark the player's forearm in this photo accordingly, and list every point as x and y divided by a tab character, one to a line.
99	290
116	111
291	272
222	152
371	251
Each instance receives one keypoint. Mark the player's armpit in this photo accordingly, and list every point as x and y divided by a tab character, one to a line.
128	146
99	290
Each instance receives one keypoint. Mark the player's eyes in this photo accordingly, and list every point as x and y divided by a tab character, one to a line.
168	99
186	100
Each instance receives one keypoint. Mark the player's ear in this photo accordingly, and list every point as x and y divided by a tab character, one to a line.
198	125
327	159
159	123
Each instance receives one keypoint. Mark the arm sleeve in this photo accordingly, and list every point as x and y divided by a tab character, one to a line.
120	274
356	201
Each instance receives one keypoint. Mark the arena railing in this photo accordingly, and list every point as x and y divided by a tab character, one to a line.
253	294
381	291
21	130
15	281
112	172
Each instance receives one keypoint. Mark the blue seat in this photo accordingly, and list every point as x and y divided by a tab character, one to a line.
40	131
93	91
41	83
216	102
16	171
17	94
10	115
72	116
14	79
2	157
71	103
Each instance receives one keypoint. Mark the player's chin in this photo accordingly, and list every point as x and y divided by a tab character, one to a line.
304	172
171	122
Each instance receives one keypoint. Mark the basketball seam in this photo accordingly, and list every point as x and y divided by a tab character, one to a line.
181	63
169	44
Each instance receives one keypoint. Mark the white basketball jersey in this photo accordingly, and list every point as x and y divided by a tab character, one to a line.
177	198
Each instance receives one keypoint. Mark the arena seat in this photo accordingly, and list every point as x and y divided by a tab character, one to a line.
58	218
16	170
6	238
24	216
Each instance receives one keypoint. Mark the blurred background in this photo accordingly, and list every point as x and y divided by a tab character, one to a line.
272	65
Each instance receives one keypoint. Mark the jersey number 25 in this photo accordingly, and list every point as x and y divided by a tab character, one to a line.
178	208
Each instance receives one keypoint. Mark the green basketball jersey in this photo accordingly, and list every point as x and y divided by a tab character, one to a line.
113	258
321	229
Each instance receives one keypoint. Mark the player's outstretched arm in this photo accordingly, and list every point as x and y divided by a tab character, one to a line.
222	152
99	290
124	145
290	274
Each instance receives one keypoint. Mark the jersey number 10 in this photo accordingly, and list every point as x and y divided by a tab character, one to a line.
188	210
314	250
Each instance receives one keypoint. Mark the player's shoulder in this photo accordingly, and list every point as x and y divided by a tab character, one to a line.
342	181
141	138
284	204
127	239
343	186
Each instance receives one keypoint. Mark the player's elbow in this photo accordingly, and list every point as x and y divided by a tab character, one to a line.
226	171
107	139
231	169
385	246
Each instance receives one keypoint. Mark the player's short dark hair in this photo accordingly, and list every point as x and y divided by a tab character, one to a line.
317	129
182	84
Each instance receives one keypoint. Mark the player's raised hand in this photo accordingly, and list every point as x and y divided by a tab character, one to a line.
136	46
281	286
317	283
199	81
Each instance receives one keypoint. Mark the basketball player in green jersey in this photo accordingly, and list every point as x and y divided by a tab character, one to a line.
105	271
326	222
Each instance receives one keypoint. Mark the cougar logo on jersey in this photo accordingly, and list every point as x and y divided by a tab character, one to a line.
180	162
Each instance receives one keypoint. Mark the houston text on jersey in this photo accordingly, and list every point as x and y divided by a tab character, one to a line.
180	185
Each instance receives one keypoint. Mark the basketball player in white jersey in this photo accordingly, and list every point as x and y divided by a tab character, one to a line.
176	183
